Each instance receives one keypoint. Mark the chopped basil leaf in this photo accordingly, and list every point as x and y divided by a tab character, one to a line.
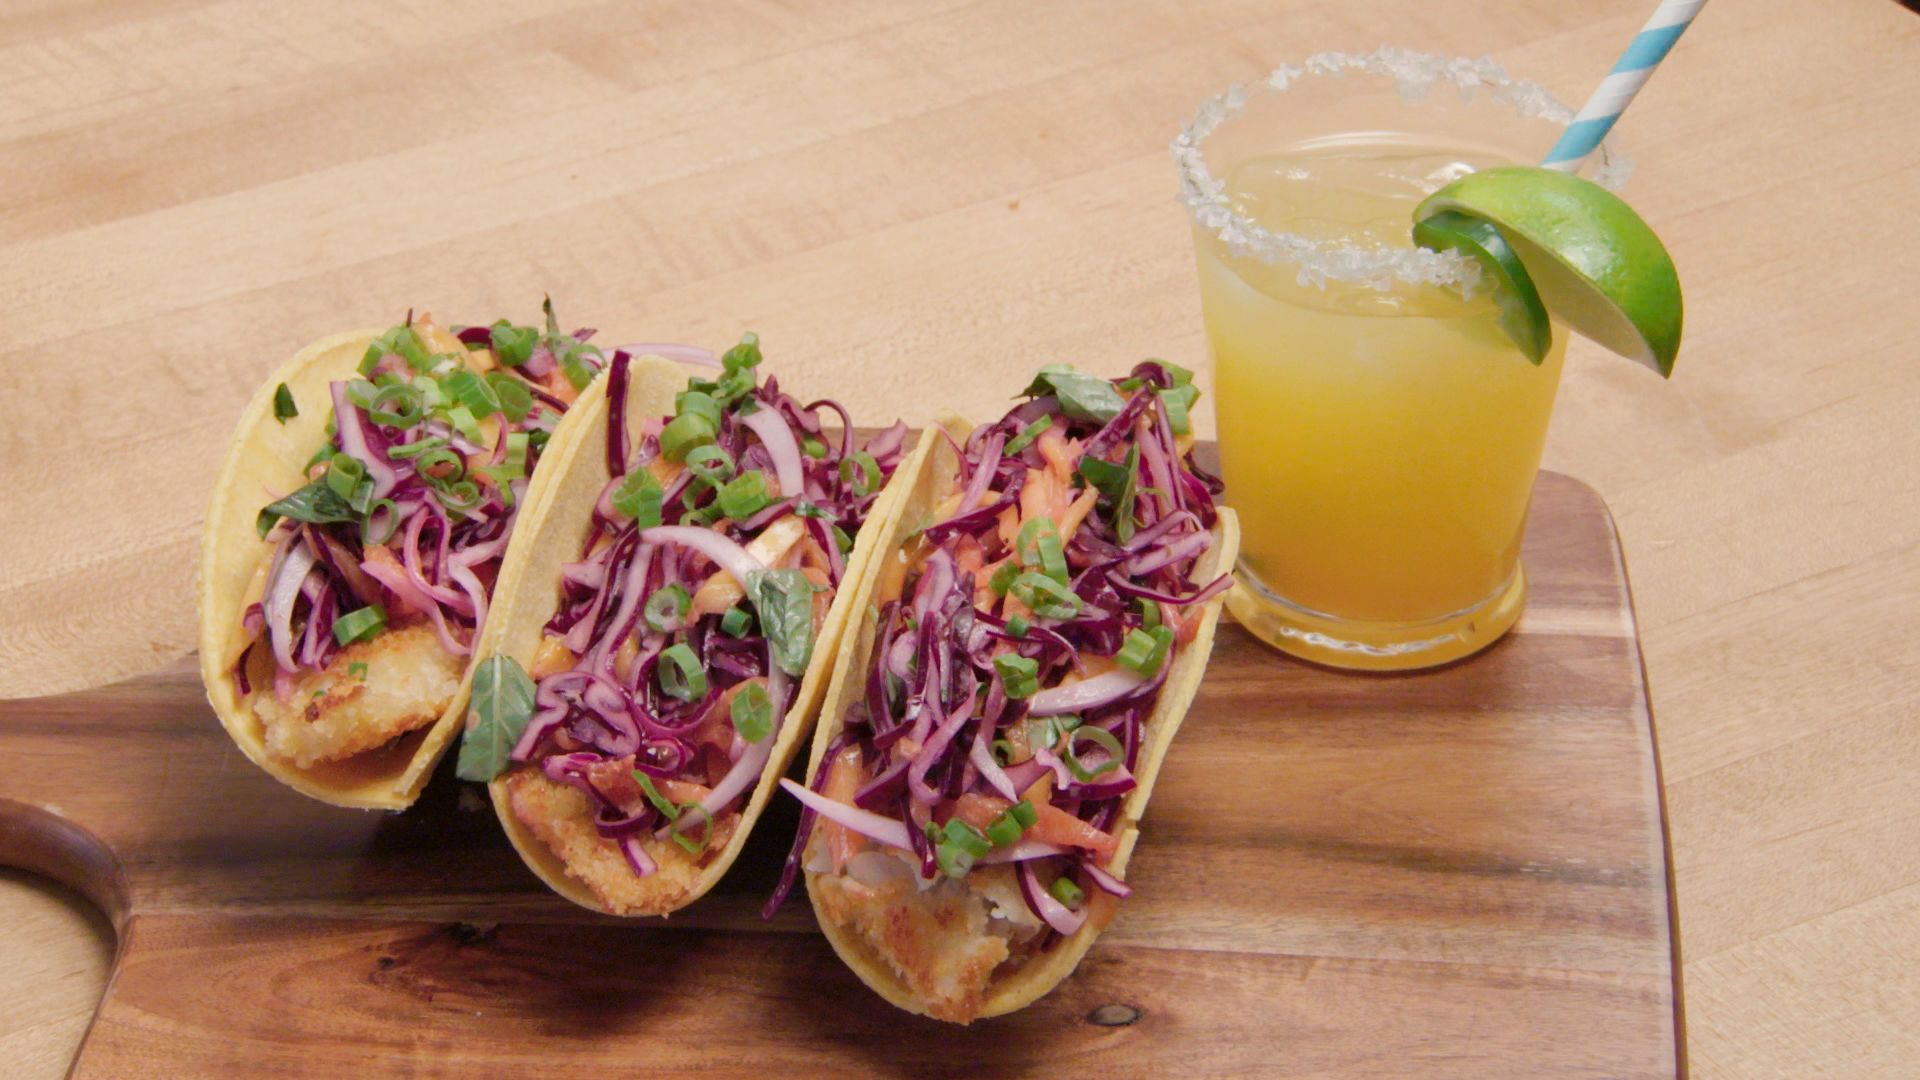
783	600
752	713
1083	397
497	717
317	503
283	407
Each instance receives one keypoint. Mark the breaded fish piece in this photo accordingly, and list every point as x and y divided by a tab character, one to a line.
407	682
936	940
562	818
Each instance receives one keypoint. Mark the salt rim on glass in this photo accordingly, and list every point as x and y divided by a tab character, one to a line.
1415	75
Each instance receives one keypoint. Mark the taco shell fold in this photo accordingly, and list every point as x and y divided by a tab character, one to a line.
936	478
267	458
562	523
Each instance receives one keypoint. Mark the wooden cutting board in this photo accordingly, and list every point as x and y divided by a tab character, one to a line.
1457	873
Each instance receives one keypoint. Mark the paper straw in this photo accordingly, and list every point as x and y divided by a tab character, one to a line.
1616	91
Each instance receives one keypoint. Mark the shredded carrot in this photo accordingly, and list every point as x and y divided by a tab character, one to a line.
720	592
1053	825
844	778
978	810
550	657
1077	513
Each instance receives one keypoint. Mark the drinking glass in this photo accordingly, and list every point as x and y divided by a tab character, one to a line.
1379	433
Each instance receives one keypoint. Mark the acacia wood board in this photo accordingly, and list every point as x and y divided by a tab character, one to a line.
1455	873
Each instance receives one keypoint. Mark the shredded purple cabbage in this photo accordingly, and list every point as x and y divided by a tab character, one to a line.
412	501
940	719
626	722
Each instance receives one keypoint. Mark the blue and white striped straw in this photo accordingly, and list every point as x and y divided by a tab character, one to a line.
1616	91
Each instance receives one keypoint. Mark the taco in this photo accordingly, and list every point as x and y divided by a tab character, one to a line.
674	614
355	537
1040	610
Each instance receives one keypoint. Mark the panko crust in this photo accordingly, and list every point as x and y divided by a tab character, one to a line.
562	818
407	682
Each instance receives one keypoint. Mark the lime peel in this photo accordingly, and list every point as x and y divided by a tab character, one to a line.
1597	266
1522	315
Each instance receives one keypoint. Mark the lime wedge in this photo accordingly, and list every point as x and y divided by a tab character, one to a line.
1596	264
1522	315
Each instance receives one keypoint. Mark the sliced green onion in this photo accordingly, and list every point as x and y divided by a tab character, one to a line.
397	406
1027	435
460	495
1048	730
745	495
344	474
359	625
1017	674
667	608
357	670
1029	550
736	622
712	464
440	464
1003	578
1105	740
861	471
1024	813
368	534
685	433
283	407
1018	626
463	421
1045	597
639	498
676	813
468	389
403	451
679	831
1066	892
752	713
812	447
667	807
681	675
407	344
1179	402
966	837
1003	751
1149	612
841	538
1145	650
516	401
697	403
512	345
1006	829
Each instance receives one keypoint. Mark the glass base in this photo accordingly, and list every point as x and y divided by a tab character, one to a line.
1374	646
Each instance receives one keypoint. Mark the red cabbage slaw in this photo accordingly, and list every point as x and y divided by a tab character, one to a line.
413	498
691	610
1028	645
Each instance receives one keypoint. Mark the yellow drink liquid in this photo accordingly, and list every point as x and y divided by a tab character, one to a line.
1379	445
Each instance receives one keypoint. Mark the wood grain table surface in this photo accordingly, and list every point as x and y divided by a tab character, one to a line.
915	203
